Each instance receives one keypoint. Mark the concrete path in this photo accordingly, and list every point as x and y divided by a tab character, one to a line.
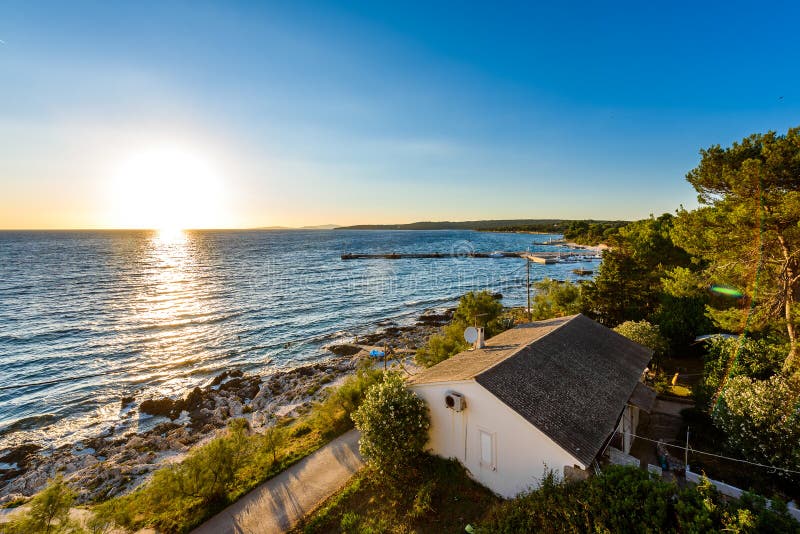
279	503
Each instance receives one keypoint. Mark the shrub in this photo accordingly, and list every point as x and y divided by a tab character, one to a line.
422	500
179	495
555	299
350	523
761	420
474	307
394	426
332	416
645	334
757	359
440	347
481	307
626	499
48	512
208	472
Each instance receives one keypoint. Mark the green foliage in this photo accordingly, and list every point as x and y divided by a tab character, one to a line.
644	333
620	500
441	346
48	512
275	437
474	308
628	285
626	499
394	424
481	308
555	299
350	523
438	496
422	500
761	419
592	232
757	359
331	417
178	497
748	223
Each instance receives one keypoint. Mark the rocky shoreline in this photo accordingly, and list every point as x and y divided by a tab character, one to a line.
107	465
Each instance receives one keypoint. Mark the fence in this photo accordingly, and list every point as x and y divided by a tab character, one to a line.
736	493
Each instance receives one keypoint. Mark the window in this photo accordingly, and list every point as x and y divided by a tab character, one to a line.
487	449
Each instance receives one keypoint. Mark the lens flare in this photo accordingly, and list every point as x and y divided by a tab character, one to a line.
727	291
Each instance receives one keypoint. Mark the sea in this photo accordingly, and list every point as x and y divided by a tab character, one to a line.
91	317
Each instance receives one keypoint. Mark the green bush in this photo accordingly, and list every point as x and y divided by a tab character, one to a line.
645	334
761	421
422	500
394	424
48	512
332	416
179	496
479	307
440	347
757	359
350	523
474	308
555	299
627	499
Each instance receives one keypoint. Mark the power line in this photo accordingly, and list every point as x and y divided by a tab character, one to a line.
695	451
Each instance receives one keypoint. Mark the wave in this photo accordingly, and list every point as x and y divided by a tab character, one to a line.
27	423
42	337
432	300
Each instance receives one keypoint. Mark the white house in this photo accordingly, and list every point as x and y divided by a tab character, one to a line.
546	395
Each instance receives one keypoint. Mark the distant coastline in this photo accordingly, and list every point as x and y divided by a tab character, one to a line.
520	226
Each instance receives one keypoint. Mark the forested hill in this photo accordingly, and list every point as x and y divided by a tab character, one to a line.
557	226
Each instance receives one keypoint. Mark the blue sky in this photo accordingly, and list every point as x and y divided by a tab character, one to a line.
359	112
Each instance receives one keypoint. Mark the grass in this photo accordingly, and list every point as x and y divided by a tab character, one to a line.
181	496
680	391
438	498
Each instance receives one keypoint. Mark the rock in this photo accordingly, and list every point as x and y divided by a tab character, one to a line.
235	408
120	460
194	400
164	407
12	498
226	374
21	455
344	349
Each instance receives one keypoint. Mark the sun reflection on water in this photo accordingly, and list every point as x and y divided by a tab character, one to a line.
168	236
167	305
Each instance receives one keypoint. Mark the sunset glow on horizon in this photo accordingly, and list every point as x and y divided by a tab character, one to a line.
261	114
167	188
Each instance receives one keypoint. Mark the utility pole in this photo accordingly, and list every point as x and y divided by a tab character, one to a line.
686	453
528	286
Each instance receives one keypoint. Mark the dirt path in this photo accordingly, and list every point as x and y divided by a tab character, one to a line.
279	503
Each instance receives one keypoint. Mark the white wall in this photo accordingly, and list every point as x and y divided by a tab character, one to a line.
627	426
521	450
736	493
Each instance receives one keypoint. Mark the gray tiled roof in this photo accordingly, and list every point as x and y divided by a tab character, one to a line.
569	377
571	384
643	397
466	365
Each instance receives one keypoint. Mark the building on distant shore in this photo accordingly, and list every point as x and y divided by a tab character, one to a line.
550	395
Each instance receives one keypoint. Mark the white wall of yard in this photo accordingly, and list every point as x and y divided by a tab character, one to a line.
521	450
736	493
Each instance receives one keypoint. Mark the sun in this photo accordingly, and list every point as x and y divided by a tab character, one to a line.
166	187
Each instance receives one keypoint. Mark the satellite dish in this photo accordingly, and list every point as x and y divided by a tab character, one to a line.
471	334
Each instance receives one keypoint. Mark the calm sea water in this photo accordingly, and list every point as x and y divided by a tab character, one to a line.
87	318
